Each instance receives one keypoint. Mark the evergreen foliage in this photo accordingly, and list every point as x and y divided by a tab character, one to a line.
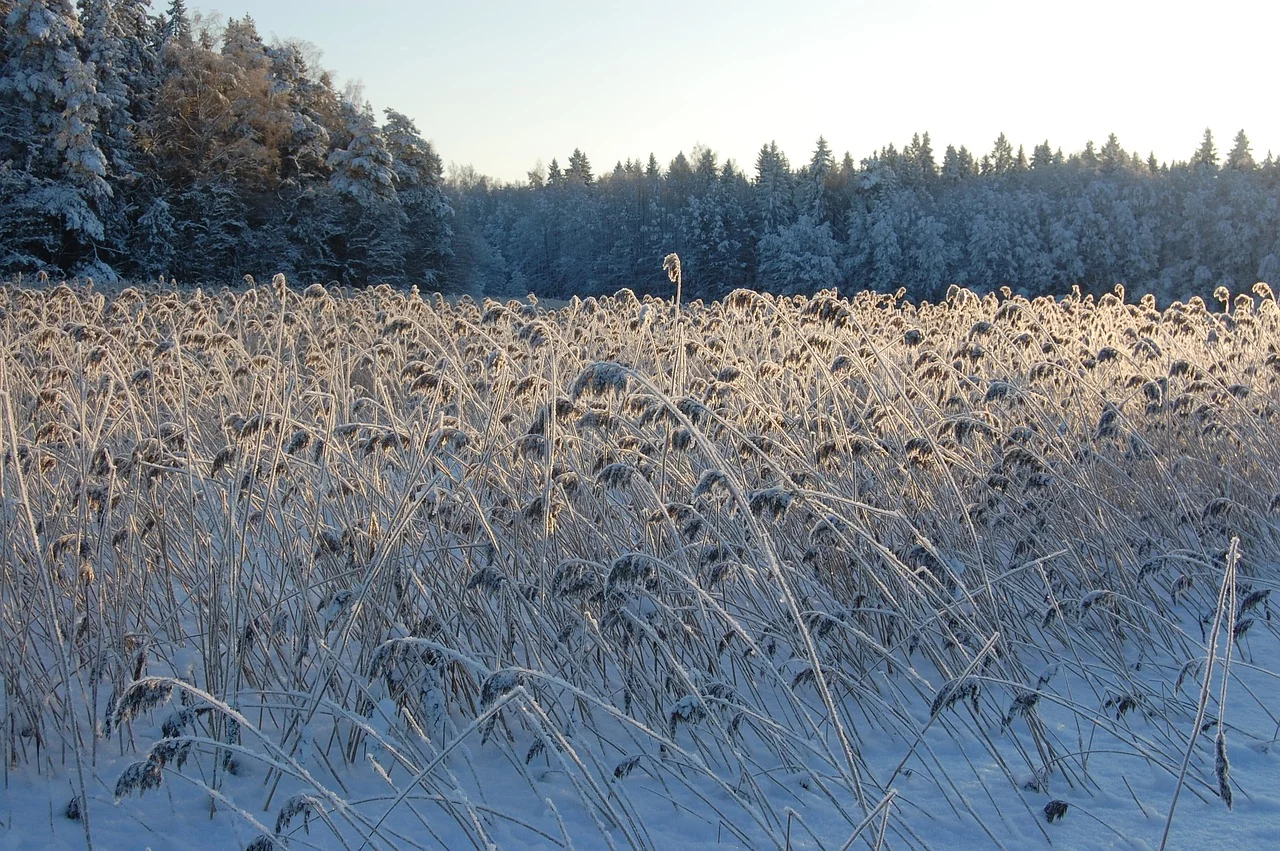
132	146
1039	223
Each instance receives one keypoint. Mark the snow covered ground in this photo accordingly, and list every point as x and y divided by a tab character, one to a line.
1123	802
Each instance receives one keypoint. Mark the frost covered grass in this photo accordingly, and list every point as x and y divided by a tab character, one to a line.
298	570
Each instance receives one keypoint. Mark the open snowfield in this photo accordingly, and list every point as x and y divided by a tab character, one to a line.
285	569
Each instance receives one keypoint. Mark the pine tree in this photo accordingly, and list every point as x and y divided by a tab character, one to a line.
886	249
118	43
371	246
679	175
241	43
800	257
156	238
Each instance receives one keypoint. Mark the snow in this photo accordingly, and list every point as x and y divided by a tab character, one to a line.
1122	803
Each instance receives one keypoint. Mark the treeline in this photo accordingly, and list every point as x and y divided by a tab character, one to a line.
900	218
134	145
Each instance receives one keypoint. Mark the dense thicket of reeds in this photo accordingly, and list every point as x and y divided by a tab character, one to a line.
762	550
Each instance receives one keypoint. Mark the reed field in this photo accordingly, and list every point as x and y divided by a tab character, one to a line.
299	569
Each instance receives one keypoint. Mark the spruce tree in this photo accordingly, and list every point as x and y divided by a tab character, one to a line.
177	23
1241	157
50	108
363	168
773	189
1112	157
419	177
1041	156
957	164
706	170
1089	158
813	190
1020	163
579	170
1002	159
1206	156
924	158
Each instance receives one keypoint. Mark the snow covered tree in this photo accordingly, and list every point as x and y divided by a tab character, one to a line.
118	41
957	164
919	166
713	224
882	248
1088	158
49	109
1002	160
420	190
579	170
799	257
363	168
1112	157
308	108
155	240
773	189
241	43
705	169
1206	156
1241	157
177	23
679	178
878	176
537	176
371	242
1041	156
814	182
1269	268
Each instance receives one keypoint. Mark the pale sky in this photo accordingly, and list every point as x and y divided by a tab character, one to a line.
502	84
